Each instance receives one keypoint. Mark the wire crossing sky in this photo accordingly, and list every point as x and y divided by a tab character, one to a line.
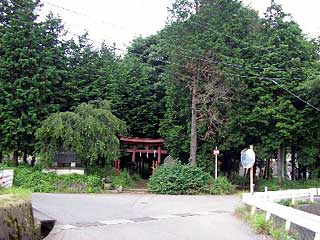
133	26
122	20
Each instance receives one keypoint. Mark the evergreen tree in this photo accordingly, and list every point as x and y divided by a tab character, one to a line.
140	89
29	75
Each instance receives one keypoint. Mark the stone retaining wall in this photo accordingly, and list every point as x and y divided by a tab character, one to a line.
16	220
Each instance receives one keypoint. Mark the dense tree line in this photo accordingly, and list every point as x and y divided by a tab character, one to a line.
217	74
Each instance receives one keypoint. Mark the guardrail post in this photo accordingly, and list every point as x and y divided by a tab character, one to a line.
266	193
311	196
253	210
293	199
317	236
268	216
287	227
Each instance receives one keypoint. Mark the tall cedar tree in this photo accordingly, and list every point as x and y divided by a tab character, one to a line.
29	76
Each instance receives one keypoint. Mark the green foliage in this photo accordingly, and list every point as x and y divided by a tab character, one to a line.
90	131
260	224
140	90
280	234
101	171
123	179
241	181
35	181
179	179
273	184
150	86
221	185
288	202
30	76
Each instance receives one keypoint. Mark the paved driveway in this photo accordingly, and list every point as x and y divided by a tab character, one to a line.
142	216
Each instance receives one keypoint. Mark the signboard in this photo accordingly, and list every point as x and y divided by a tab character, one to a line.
248	158
6	178
216	152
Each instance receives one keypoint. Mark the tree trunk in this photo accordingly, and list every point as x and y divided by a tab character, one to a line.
304	172
1	156
25	156
266	169
15	158
284	163
279	166
193	141
293	163
33	161
299	171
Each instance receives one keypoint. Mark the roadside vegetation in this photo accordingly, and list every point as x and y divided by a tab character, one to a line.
261	226
32	179
273	183
29	179
288	202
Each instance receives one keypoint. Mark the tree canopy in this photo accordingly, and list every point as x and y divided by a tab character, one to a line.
217	74
91	131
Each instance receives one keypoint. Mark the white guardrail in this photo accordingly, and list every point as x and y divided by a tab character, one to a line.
6	178
265	201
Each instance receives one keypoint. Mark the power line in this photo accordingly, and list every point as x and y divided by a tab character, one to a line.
84	15
296	96
273	80
206	26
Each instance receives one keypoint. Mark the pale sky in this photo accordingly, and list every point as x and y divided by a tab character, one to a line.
119	21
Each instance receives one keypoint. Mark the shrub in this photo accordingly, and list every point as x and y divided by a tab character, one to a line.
221	185
36	181
101	171
123	179
241	181
179	179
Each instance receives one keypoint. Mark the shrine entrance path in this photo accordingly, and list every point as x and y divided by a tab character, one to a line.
143	216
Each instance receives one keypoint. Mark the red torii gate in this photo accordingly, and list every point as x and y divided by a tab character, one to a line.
148	144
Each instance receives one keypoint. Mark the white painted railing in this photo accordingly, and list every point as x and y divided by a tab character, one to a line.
287	194
265	201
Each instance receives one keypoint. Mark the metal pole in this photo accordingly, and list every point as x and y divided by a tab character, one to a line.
251	180
216	166
251	175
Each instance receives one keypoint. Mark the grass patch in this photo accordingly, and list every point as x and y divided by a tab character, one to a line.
8	195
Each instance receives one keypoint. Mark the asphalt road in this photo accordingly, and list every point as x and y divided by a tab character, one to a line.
143	216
